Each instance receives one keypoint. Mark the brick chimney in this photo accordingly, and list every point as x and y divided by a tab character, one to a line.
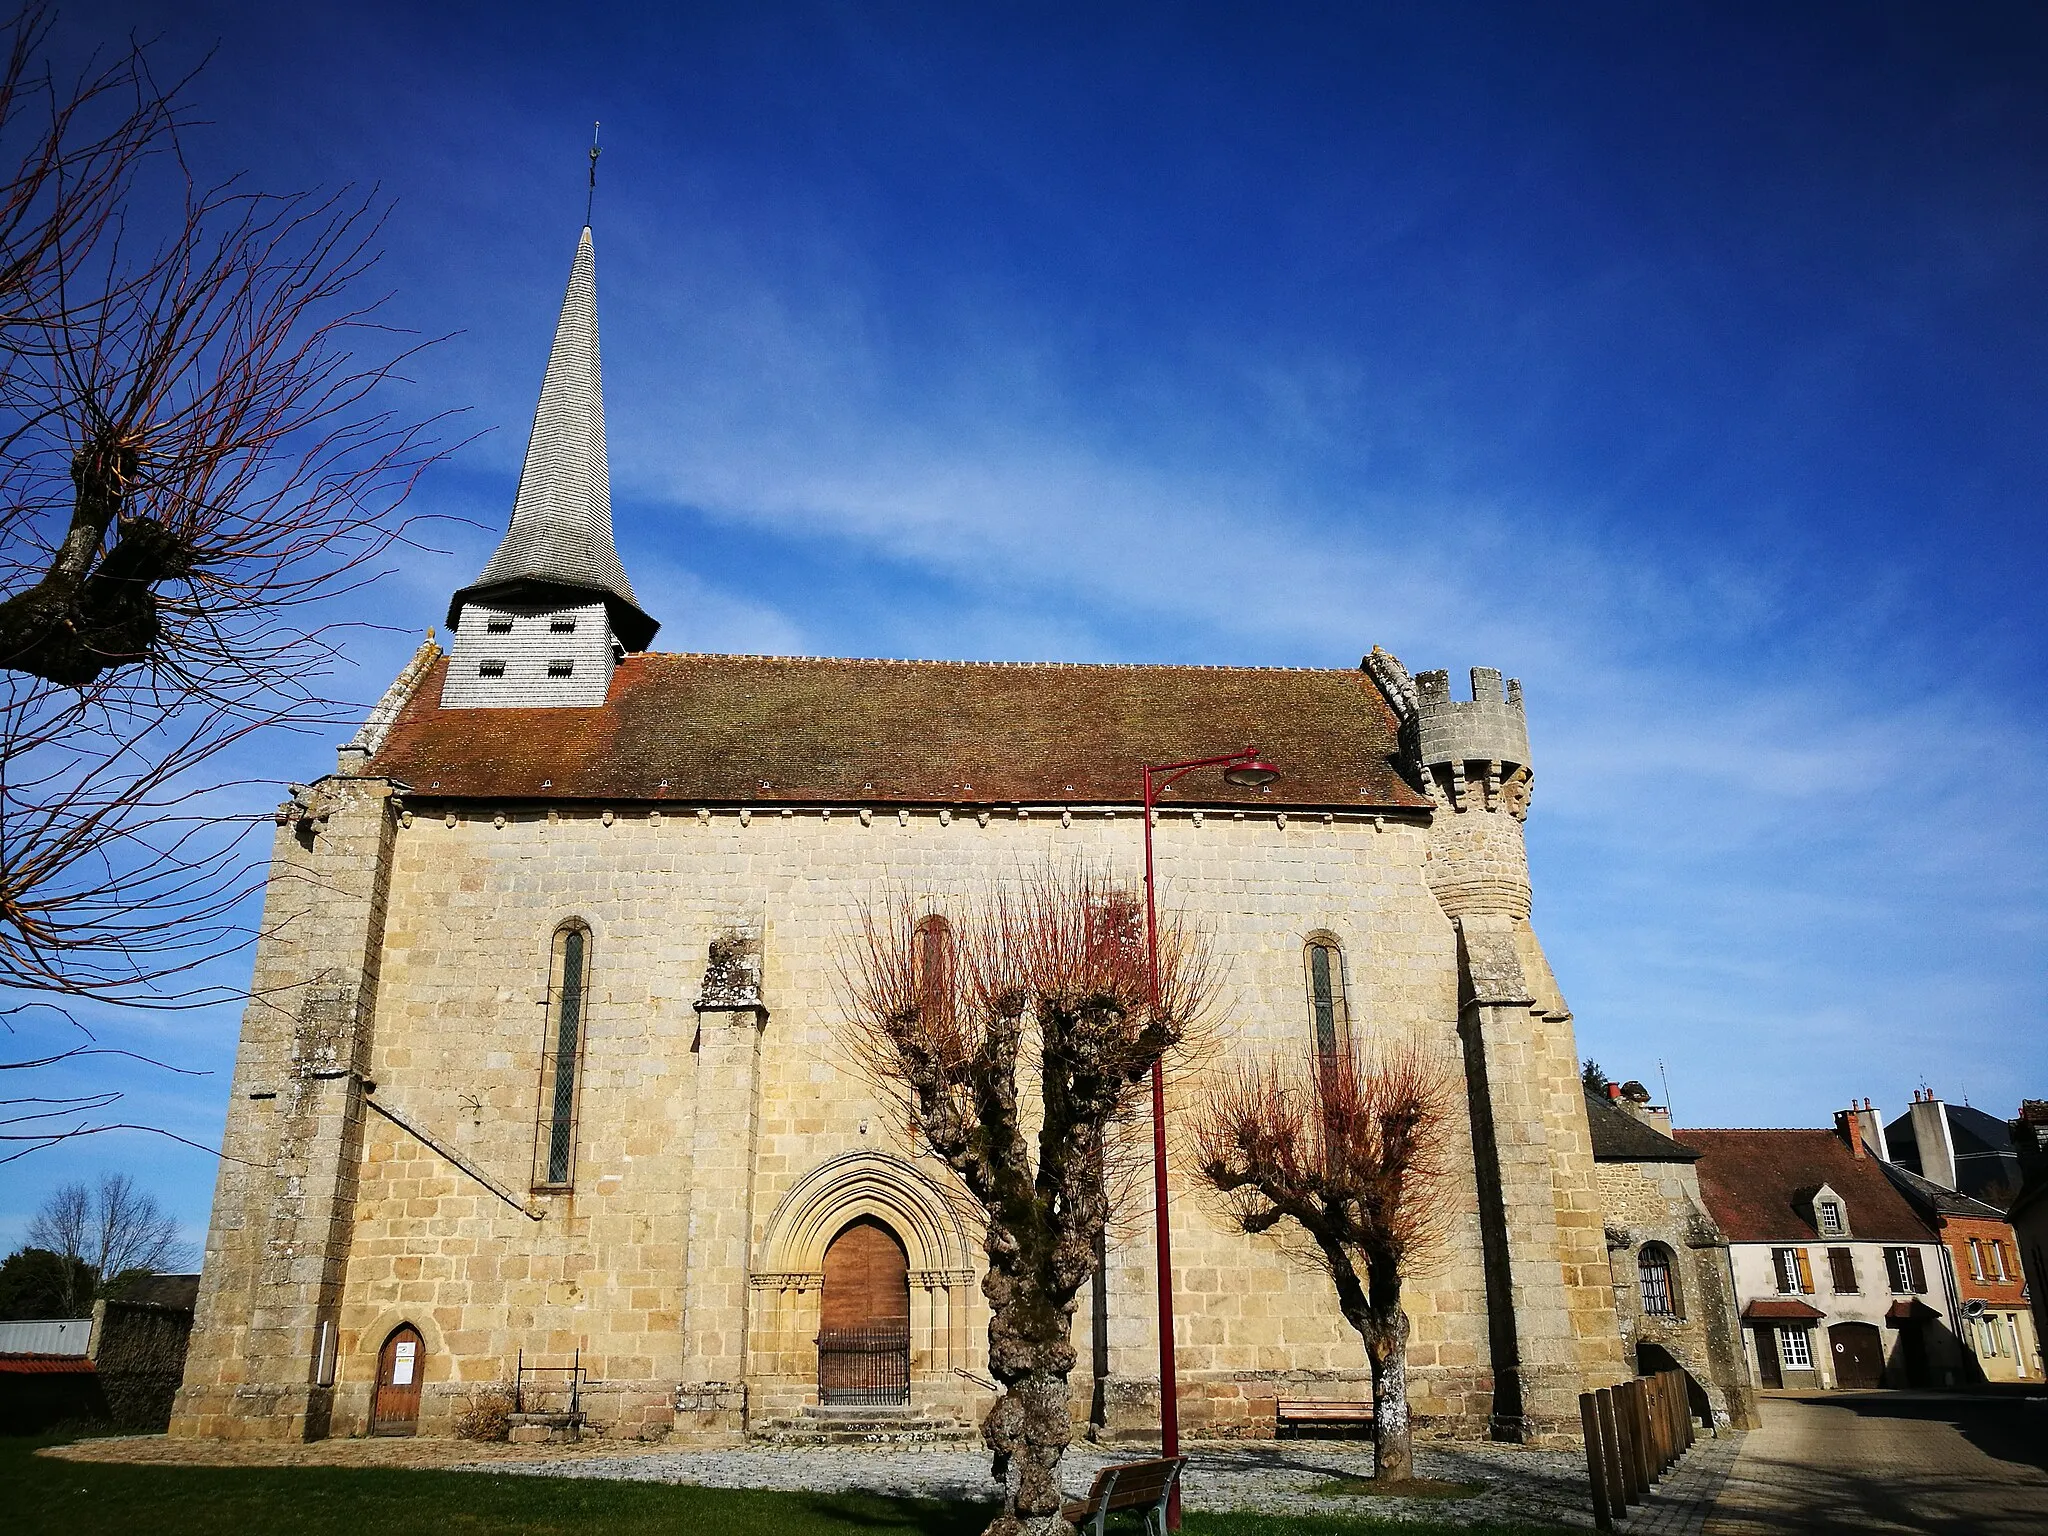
1871	1126
1849	1126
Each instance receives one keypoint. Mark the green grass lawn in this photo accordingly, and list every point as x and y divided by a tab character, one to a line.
45	1497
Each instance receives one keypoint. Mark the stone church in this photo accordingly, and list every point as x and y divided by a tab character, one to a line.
541	1078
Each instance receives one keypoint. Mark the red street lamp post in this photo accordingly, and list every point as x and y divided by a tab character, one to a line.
1245	769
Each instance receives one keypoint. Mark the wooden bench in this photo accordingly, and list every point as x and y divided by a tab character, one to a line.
1300	1413
1134	1485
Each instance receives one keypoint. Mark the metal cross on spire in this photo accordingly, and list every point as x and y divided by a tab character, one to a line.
590	202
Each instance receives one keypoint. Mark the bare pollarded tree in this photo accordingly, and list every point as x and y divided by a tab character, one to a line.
1018	1038
1354	1155
196	447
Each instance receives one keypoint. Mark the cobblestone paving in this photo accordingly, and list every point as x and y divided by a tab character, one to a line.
1527	1485
1682	1504
1890	1462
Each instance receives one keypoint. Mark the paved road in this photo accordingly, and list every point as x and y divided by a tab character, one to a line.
1891	1462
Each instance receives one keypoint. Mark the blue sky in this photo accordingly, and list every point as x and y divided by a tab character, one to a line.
1686	362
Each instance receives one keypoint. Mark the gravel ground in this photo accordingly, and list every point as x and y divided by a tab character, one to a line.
1272	1478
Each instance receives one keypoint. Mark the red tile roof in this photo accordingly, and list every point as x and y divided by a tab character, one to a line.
805	730
46	1365
1759	1187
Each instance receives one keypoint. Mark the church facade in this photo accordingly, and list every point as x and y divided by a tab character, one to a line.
543	1072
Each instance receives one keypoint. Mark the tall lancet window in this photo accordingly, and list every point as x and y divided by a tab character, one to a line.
554	1160
933	963
1328	1016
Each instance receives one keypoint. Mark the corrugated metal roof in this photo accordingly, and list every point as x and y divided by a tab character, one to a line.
46	1336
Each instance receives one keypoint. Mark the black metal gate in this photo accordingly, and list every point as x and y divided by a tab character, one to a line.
865	1367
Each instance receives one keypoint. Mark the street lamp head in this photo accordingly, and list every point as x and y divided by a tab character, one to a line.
1251	774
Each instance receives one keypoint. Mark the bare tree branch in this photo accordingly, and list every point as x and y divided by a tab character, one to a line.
198	447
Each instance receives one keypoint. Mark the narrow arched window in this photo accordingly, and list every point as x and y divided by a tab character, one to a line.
1659	1284
554	1162
933	960
1328	1015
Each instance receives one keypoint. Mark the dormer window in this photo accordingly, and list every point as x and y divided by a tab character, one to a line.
565	625
1830	1215
561	666
498	624
490	669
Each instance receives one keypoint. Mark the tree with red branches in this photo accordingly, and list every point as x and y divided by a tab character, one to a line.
1351	1154
1018	1039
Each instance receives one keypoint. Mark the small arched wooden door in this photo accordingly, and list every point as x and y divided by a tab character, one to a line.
864	1319
395	1410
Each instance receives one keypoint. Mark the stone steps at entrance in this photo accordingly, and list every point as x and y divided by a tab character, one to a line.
863	1426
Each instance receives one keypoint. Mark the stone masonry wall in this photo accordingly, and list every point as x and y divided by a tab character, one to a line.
1660	1203
475	905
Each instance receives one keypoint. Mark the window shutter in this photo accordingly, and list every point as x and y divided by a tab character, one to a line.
1805	1273
1781	1262
1842	1271
1918	1268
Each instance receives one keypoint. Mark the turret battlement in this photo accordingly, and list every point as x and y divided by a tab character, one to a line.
1446	741
1489	727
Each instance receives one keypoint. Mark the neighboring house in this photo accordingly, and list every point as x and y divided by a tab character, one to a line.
1839	1280
2029	1213
543	1062
1673	1290
119	1367
1955	1146
1982	1263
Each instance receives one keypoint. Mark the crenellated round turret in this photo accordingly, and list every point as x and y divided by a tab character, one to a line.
1489	727
1472	757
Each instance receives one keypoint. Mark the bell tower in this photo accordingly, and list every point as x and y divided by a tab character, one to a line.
551	614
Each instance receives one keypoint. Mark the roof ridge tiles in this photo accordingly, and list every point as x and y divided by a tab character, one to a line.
941	661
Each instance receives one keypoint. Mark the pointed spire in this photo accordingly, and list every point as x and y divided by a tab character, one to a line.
561	533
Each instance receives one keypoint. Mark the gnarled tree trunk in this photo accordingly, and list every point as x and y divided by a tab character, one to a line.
1066	954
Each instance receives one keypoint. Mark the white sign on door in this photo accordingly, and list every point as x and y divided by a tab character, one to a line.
401	1365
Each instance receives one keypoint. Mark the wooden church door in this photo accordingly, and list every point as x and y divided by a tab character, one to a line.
864	1319
396	1407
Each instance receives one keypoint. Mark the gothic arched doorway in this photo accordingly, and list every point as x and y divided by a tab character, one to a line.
864	1319
395	1409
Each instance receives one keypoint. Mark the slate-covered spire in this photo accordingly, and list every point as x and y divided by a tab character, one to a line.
560	541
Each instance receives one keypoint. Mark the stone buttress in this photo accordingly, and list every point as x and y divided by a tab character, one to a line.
265	1333
1551	1321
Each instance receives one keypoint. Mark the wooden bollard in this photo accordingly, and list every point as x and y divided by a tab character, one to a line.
1610	1446
1667	1427
1631	1448
1640	1411
1596	1470
1653	1410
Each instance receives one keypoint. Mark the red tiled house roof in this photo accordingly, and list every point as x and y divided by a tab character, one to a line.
1759	1187
805	730
46	1365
